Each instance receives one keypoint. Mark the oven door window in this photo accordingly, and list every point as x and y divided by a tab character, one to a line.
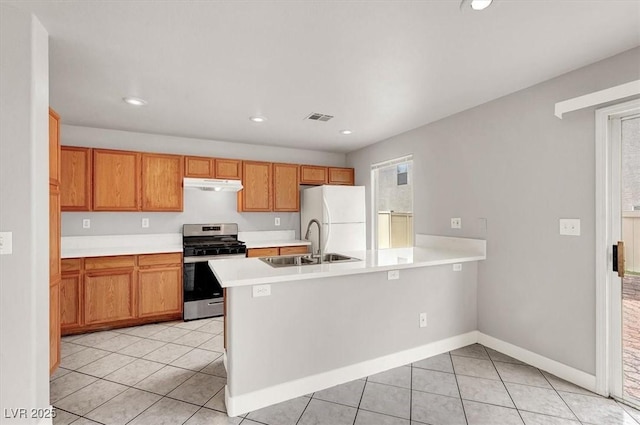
200	283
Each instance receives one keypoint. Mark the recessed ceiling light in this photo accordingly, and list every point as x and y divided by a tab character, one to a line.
475	4
345	132
258	119
134	101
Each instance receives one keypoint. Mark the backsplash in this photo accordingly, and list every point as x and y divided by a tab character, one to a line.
199	207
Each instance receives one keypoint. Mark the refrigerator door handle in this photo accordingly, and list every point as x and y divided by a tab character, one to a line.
328	223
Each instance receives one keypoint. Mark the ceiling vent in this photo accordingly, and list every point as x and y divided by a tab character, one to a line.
318	117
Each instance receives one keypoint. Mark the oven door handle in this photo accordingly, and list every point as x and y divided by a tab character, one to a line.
204	258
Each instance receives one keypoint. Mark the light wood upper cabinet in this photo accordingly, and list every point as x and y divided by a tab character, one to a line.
199	167
116	180
286	191
257	182
54	147
110	292
162	182
343	176
75	179
230	169
312	174
54	235
160	284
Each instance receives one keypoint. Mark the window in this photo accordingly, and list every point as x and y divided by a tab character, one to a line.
392	187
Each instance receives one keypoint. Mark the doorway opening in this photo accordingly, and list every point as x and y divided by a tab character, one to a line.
392	187
618	251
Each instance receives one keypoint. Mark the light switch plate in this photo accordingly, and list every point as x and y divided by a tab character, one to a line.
457	267
86	223
393	274
277	221
456	223
570	226
261	291
145	223
6	243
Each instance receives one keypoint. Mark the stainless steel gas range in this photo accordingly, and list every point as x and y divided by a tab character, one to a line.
203	295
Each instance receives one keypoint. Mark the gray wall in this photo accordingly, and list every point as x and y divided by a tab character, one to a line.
513	163
342	321
24	206
199	206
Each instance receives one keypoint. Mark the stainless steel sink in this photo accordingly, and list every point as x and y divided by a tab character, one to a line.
305	260
288	261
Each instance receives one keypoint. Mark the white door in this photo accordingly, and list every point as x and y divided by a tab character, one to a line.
344	204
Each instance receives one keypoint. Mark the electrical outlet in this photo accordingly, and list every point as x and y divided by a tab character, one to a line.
277	221
456	223
570	226
423	320
145	223
6	243
86	223
457	267
393	274
261	291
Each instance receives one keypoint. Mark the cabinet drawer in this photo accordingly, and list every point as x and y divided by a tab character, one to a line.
160	259
262	252
290	250
98	263
71	264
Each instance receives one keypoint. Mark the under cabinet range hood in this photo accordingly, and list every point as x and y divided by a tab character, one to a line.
216	185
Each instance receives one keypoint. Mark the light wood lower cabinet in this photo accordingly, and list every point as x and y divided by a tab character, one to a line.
54	327
109	296
160	285
274	251
102	292
54	240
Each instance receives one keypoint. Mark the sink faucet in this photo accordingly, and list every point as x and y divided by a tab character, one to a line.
306	236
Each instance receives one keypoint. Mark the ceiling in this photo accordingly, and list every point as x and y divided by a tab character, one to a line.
379	67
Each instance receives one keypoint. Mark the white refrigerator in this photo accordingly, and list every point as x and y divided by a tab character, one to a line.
341	210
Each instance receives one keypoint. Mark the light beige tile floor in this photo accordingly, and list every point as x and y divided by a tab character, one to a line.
172	374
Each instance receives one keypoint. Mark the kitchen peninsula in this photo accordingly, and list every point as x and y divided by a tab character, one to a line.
291	331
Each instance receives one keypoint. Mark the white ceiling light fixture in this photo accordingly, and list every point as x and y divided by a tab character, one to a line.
134	101
346	132
258	119
475	4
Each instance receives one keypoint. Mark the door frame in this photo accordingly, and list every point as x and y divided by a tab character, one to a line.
608	294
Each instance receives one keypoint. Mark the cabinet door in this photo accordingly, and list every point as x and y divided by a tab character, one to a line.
160	290
198	167
54	327
262	252
71	300
162	182
312	174
75	179
54	147
116	180
230	169
54	234
257	192
341	176
286	191
109	296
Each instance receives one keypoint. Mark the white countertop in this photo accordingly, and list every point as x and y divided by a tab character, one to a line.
271	238
277	243
105	245
252	271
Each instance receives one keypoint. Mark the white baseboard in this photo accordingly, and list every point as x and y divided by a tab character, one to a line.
238	405
561	370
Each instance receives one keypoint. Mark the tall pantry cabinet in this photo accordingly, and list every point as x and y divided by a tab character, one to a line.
55	272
